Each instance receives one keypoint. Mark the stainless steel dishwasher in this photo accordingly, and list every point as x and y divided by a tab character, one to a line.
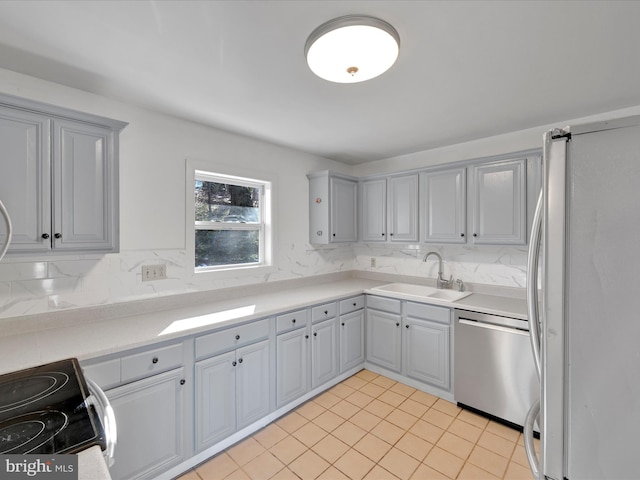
493	368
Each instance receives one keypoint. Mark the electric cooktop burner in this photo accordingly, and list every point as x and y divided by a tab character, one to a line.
43	410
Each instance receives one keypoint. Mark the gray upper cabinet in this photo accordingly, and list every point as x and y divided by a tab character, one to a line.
443	206
403	208
498	202
25	183
389	209
60	178
373	210
332	208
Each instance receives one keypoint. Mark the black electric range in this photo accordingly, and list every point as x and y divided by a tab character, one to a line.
43	411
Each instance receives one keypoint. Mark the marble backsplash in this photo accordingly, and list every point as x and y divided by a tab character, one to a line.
41	285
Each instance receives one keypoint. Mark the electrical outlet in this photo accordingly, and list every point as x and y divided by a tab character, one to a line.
154	272
373	261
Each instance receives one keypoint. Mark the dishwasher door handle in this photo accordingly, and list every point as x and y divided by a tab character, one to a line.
491	326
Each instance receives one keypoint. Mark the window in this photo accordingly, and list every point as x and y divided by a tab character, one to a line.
232	222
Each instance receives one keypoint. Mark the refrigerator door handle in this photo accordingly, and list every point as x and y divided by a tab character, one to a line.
529	447
7	220
532	283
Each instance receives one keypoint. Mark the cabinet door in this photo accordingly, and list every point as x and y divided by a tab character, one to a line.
292	377
351	340
149	416
426	350
373	209
253	383
343	210
403	208
498	197
25	184
84	182
443	206
383	339
324	352
215	399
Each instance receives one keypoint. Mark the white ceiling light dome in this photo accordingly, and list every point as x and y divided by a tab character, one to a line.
352	49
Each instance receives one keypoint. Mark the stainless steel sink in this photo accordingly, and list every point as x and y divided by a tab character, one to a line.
419	292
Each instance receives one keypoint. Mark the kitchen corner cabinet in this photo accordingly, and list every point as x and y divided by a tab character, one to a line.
443	206
60	178
332	208
497	193
389	209
233	389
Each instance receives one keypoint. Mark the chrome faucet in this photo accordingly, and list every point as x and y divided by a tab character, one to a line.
440	282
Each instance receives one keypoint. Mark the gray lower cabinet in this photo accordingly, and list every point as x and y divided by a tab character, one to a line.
150	419
427	352
292	361
351	340
324	352
232	391
150	392
351	333
410	338
384	339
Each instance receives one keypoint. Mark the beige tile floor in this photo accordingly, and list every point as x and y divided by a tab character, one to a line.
372	427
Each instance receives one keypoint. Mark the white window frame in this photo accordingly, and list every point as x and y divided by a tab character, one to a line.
207	171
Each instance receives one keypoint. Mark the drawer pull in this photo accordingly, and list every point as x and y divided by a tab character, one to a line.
326	312
293	321
240	360
354	304
315	334
154	360
407	326
342	324
306	336
183	381
397	324
237	337
234	363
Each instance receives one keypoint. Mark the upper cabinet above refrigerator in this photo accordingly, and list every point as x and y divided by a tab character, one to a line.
498	202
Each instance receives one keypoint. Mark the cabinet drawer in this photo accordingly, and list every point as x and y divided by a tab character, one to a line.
322	312
150	362
291	321
428	312
105	374
233	337
351	304
383	303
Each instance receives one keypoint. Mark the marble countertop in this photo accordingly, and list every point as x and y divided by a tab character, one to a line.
87	333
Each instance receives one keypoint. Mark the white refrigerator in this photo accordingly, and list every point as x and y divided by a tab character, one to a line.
584	262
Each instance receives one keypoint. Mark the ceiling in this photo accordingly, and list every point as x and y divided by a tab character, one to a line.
466	70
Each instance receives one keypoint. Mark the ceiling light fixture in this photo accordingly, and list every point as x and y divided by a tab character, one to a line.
352	49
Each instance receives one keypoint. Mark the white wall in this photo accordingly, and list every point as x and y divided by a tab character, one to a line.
153	152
